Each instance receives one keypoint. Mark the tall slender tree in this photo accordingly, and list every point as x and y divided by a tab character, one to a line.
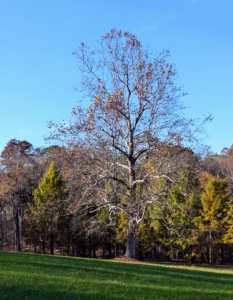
215	201
49	204
17	181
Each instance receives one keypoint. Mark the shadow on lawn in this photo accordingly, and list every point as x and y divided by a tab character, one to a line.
76	278
99	293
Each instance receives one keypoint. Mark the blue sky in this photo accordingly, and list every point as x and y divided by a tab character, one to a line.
38	72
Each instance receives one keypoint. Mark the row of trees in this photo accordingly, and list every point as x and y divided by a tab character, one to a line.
122	170
192	216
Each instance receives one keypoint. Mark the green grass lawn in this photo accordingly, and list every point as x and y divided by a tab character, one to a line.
28	276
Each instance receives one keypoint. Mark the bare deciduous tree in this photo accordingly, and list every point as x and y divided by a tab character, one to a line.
17	178
130	128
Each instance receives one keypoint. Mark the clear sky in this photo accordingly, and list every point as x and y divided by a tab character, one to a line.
38	72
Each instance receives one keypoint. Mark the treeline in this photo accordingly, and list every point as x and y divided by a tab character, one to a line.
47	205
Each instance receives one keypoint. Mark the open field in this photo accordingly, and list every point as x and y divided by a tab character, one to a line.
29	276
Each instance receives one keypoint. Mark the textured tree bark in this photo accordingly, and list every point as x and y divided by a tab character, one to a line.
131	240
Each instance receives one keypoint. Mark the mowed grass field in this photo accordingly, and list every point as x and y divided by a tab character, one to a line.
41	277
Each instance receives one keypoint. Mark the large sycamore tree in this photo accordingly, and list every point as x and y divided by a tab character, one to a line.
132	130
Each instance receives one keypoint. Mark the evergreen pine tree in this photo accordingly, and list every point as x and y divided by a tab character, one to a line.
49	205
50	188
214	200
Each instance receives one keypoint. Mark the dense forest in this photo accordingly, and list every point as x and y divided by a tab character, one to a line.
124	175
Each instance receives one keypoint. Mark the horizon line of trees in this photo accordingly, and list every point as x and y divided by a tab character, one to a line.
192	219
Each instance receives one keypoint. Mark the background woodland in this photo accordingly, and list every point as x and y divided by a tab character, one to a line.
123	176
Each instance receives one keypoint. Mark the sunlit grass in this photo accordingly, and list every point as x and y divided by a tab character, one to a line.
29	276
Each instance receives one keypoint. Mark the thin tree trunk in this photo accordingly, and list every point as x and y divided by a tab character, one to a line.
1	234
221	255
43	247
123	249
210	248
84	250
156	255
94	251
17	231
109	250
90	249
168	257
140	255
103	252
116	250
51	244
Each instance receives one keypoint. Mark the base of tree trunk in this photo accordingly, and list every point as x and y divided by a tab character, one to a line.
131	241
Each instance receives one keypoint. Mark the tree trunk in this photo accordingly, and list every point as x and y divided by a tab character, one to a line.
94	251
43	247
221	256
140	255
84	250
116	250
210	248
123	249
17	232
109	250
90	250
192	260
1	234
51	245
103	252
131	240
156	255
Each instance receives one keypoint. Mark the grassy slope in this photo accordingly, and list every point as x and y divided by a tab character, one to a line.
28	276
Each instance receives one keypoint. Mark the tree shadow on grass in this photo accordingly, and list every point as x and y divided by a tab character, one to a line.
45	277
114	292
